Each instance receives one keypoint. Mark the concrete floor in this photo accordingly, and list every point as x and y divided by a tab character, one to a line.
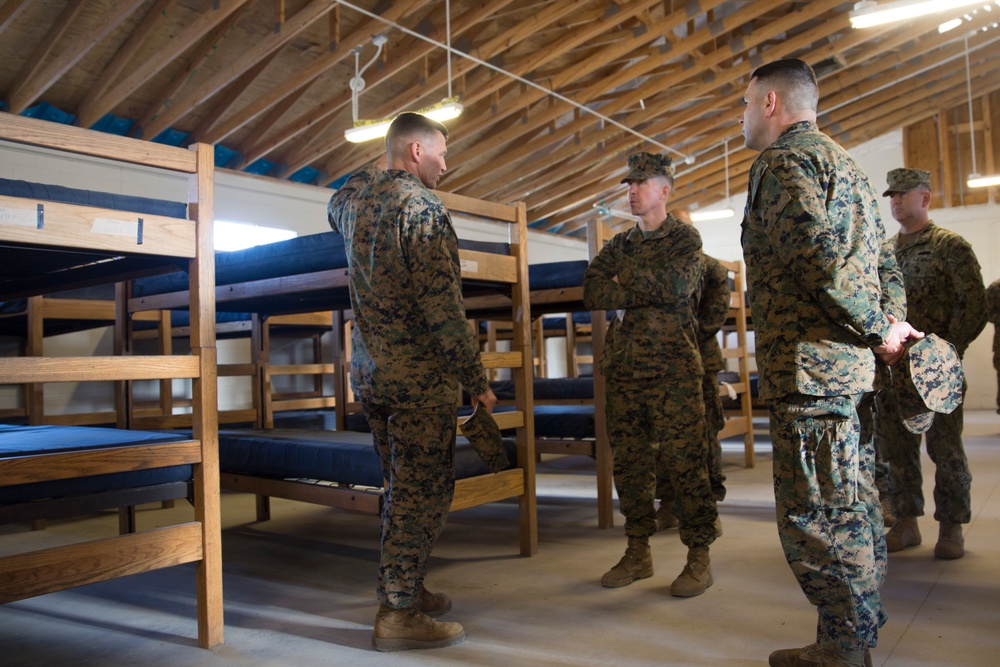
299	590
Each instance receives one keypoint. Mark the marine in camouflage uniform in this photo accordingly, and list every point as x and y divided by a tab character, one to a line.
411	348
993	315
811	236
711	311
650	274
945	296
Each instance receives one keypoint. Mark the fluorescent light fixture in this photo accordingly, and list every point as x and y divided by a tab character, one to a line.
977	181
949	25
869	14
718	214
365	130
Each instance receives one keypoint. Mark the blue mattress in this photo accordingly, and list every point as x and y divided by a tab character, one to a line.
547	389
555	275
18	441
334	456
294	257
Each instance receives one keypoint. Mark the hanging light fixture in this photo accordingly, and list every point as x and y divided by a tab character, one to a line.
868	14
721	213
975	179
365	130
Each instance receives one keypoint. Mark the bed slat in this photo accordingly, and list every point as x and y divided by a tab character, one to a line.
18	370
39	572
97	229
47	467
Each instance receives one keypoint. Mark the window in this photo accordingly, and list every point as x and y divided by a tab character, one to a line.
239	235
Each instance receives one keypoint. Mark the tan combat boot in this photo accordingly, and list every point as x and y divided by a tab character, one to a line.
696	576
637	563
433	604
951	543
404	629
904	534
815	655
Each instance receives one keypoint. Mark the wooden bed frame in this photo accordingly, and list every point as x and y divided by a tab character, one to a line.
70	226
510	269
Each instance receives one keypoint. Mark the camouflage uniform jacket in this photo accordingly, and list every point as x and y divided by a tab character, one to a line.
811	237
657	280
711	313
411	342
944	285
993	303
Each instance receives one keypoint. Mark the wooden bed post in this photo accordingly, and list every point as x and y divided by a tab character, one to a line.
205	427
34	392
524	379
602	446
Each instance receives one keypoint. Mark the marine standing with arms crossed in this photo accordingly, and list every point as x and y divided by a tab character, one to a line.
411	348
650	274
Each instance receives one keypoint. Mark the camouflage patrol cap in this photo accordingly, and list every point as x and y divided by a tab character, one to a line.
928	379
904	180
484	435
643	166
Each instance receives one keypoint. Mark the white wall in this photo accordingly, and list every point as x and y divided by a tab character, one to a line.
245	198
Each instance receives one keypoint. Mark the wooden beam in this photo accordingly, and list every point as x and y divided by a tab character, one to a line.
122	58
165	116
30	75
196	60
307	75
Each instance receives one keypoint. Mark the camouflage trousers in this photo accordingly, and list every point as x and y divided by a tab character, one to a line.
952	477
829	517
715	420
661	420
417	450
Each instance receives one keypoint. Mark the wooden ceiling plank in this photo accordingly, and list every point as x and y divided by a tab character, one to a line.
156	62
28	93
632	97
202	51
567	76
413	50
30	75
225	100
304	77
122	58
198	93
10	11
489	49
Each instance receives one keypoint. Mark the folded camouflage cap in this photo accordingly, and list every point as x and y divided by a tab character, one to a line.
905	179
927	380
643	166
483	434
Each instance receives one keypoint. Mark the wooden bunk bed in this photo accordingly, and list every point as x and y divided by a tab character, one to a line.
309	274
49	246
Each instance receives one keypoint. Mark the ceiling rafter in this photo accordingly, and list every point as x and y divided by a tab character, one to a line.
633	120
201	52
197	94
411	50
156	62
30	74
21	98
307	75
122	58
